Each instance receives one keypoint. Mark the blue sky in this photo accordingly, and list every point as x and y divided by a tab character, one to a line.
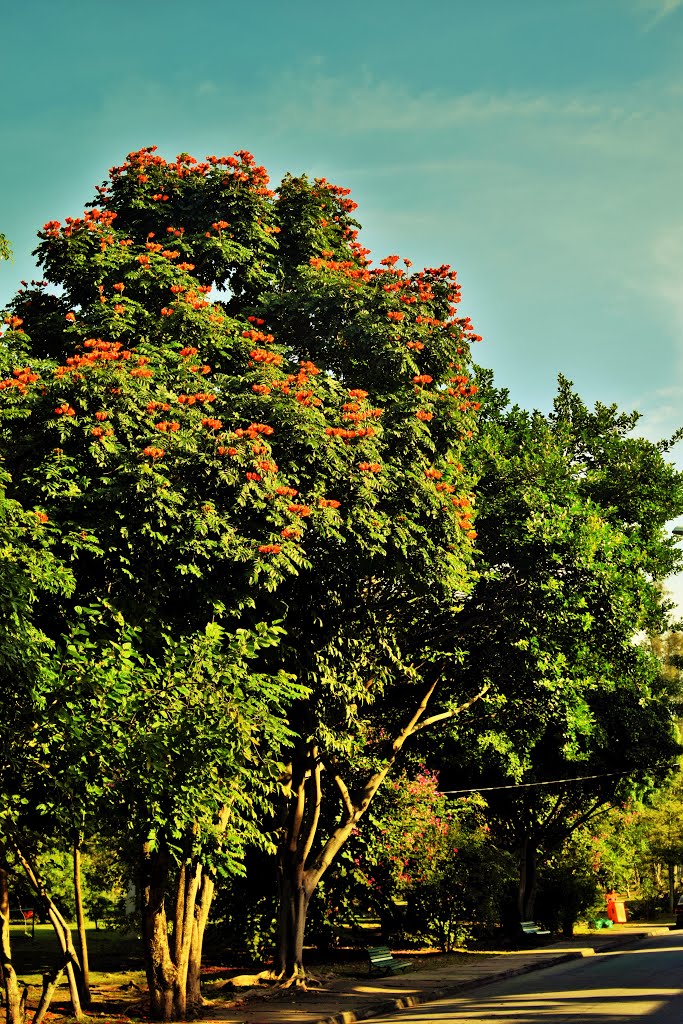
536	145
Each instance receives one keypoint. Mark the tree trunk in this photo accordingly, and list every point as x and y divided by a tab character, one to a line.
15	999
173	969
526	894
297	876
201	916
159	967
80	923
62	930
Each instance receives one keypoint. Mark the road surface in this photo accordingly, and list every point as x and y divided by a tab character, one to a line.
643	982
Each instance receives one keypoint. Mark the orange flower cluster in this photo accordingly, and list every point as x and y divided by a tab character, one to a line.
369	467
41	517
20	379
288	533
153	453
422	378
226	451
218	225
286	492
200	369
269	549
357	393
448	488
92	220
258	336
267	467
141	371
199	396
300	510
254	477
424	416
417	345
13	322
395	315
260	355
434	474
211	423
167	311
348	435
260	389
329	503
254	430
152	407
65	410
167	425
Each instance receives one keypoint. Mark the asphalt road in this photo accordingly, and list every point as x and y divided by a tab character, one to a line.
643	982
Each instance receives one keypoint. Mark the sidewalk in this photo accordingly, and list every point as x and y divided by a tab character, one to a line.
346	1000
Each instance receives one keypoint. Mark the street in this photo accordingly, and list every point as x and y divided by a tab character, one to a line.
630	984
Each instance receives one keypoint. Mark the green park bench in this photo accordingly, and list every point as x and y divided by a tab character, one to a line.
531	930
382	961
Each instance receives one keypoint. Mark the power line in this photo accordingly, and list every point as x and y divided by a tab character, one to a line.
530	785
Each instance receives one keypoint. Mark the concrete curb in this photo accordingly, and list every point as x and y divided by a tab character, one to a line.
387	1006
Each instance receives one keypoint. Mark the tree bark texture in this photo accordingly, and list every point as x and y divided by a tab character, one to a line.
173	963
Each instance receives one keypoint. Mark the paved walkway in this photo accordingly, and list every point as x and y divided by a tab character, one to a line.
345	1000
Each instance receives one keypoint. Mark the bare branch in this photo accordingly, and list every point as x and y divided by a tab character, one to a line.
452	713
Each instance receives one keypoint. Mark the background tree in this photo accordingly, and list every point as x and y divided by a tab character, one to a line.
571	520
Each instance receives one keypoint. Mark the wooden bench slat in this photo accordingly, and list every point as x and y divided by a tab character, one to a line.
382	959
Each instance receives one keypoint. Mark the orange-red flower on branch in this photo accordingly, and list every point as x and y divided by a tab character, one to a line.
154	453
329	503
395	315
212	423
65	410
167	310
435	474
288	533
255	477
286	492
189	350
300	510
15	321
369	467
269	549
357	393
260	389
71	317
422	378
41	517
424	416
267	467
119	286
101	415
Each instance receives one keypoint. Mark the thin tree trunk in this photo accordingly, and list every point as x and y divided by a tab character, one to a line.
80	923
62	930
50	982
201	917
672	887
15	1000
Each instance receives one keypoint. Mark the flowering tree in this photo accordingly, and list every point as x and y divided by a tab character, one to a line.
226	414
